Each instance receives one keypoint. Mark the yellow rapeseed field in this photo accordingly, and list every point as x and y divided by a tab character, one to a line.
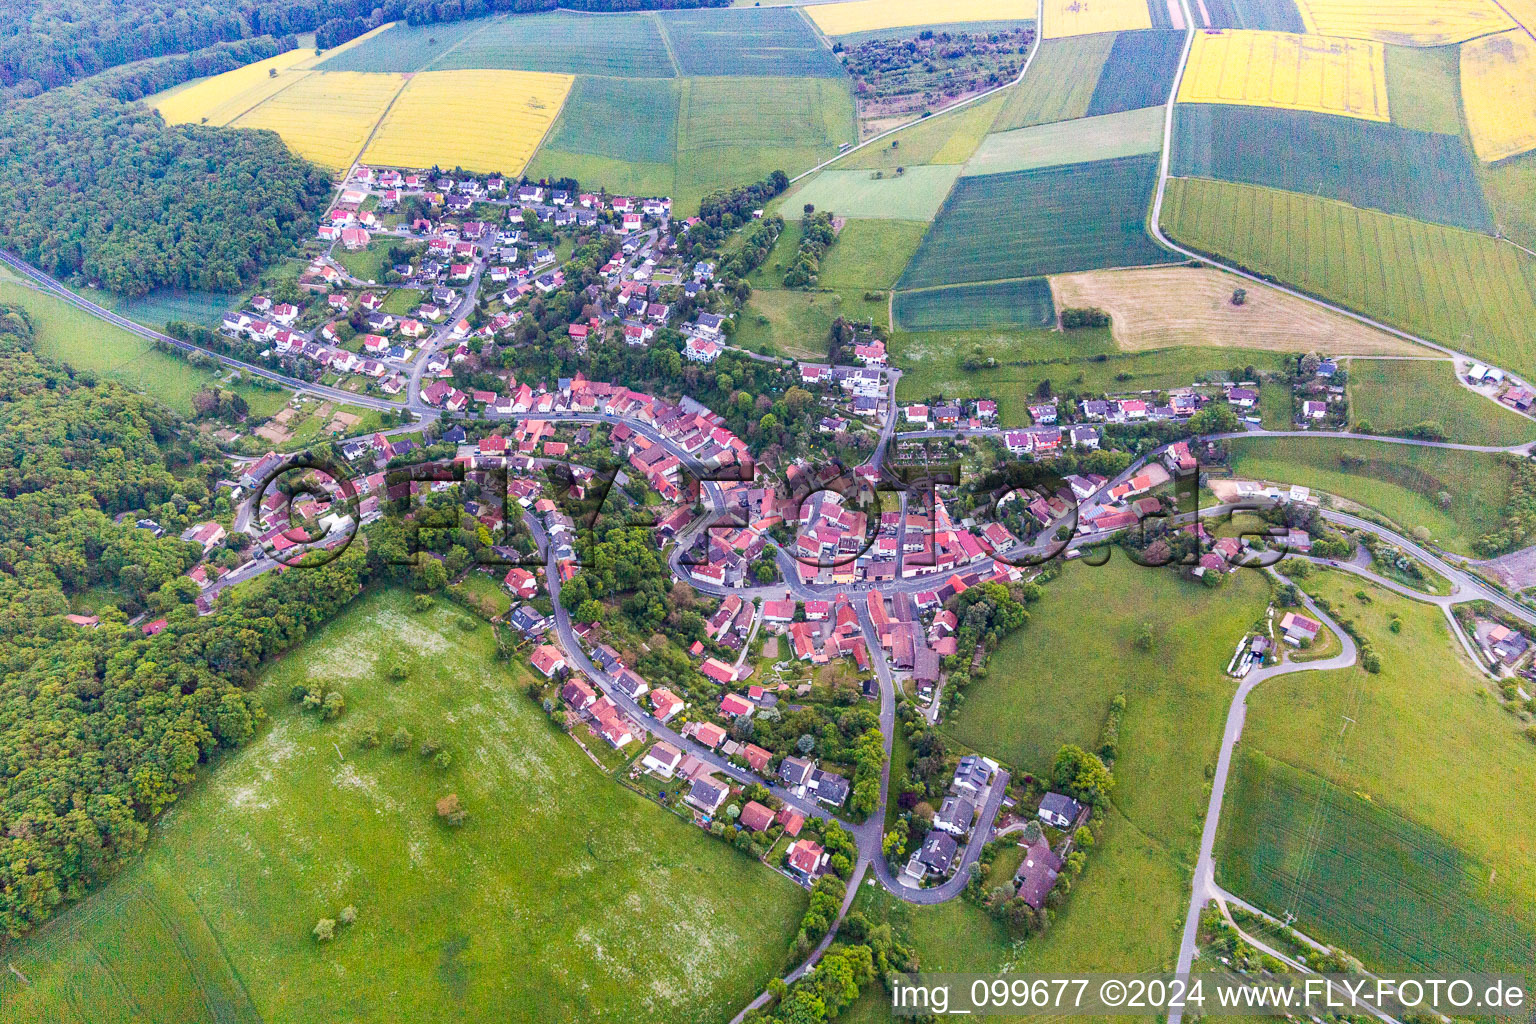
1082	17
864	15
478	120
1523	11
1498	90
326	116
1295	72
222	98
1409	22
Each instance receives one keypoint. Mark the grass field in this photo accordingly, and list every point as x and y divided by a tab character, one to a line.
1415	861
86	343
165	304
326	117
1422	88
220	99
701	133
1370	164
631	914
791	321
1392	395
1085	17
865	15
1023	303
1265	15
869	254
1498	88
1414	22
1456	287
600	115
1510	187
612	45
1083	361
1160	307
754	42
1046	221
370	262
1128	133
948	138
499	119
915	194
1294	72
1060	84
1139	72
1176	692
1400	481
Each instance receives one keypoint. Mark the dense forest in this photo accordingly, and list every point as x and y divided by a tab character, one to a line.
96	187
45	44
100	728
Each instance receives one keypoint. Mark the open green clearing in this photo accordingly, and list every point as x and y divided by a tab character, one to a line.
405	48
160	307
869	254
791	321
1403	482
1416	861
564	897
723	132
1078	651
1395	394
75	337
1022	303
1457	287
1082	360
368	263
1424	88
1127	133
947	138
1139	71
1264	15
1276	405
1051	220
914	194
633	119
1376	166
1060	83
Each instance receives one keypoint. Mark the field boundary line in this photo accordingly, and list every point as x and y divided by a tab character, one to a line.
263	102
666	42
462	40
968	101
405	80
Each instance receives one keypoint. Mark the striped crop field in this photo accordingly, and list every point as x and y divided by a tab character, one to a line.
326	116
1372	164
867	15
1294	72
1498	90
1060	84
1461	288
1410	22
222	98
498	119
1139	72
1022	303
1082	17
1068	142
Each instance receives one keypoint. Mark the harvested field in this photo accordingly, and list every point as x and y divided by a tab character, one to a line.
327	116
1050	220
1163	307
867	15
1128	133
1084	17
1139	72
1498	89
1060	84
1411	22
1371	164
499	119
1295	72
1025	303
1458	287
